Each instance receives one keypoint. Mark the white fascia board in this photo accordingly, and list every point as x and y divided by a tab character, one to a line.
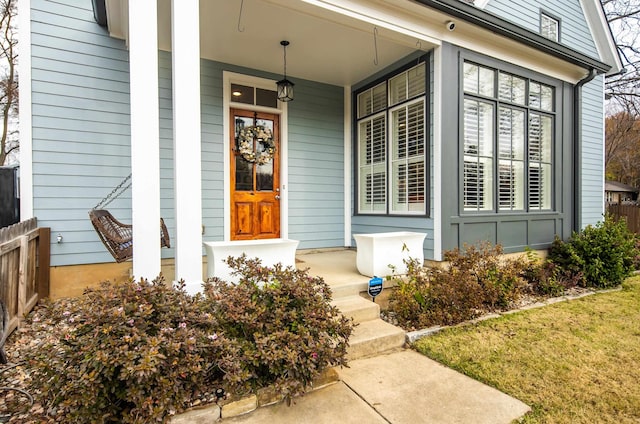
480	4
376	13
599	28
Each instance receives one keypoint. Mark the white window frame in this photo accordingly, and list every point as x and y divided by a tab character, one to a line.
547	22
391	161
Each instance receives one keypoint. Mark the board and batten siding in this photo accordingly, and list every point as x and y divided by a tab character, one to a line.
81	138
574	33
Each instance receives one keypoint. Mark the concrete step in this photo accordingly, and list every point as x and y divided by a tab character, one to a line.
340	290
373	337
358	308
345	289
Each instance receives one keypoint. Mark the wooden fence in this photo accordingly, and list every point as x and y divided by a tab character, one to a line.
630	212
24	268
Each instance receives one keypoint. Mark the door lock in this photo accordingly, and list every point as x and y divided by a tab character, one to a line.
277	197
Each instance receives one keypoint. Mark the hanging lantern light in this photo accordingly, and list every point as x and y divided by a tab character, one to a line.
285	87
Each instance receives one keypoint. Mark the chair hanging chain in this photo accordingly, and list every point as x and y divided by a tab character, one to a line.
113	196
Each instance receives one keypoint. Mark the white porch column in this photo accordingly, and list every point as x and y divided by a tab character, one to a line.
185	33
145	137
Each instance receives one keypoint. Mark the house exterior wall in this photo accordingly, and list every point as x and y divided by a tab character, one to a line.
80	103
81	138
574	32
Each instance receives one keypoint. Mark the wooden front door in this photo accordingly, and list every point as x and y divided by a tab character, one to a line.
255	175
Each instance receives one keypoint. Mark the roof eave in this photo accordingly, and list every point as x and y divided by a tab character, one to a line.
491	22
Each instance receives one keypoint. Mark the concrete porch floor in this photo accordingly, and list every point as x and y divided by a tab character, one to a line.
336	266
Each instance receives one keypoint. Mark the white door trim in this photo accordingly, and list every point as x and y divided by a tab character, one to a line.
227	79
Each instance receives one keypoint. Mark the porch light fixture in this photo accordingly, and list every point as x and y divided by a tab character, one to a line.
285	87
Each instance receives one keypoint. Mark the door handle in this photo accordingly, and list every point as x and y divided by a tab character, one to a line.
277	197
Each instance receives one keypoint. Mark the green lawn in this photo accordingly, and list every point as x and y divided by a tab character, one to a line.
572	362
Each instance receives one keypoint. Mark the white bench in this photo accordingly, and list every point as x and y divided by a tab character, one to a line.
376	251
269	251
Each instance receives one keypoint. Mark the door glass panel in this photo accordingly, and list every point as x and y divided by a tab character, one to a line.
264	172
244	169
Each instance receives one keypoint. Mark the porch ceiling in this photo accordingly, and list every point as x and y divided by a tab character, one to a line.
326	45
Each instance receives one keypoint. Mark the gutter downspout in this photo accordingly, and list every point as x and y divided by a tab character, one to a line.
577	148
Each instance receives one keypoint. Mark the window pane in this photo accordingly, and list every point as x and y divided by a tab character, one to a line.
511	185
416	77
549	27
478	128
379	97
478	183
534	95
244	169
408	173
539	186
364	103
373	189
540	137
511	133
470	78
241	94
372	162
268	98
264	172
478	80
409	186
478	160
511	88
398	89
486	81
546	98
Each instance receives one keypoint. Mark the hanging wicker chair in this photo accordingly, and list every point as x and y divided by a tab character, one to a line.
118	237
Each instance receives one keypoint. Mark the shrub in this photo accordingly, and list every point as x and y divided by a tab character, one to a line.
476	281
140	351
547	279
501	279
605	253
131	352
281	319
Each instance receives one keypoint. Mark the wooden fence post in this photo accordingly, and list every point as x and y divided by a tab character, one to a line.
44	262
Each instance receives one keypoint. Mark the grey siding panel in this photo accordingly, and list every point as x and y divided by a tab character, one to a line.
316	165
592	153
574	31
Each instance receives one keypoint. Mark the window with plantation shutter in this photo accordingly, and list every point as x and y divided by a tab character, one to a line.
392	176
507	159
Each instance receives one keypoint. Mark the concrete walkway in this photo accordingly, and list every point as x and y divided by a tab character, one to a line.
402	387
